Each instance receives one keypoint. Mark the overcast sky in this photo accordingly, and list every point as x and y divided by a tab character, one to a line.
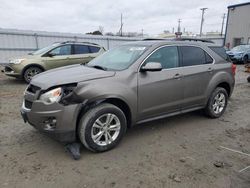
81	16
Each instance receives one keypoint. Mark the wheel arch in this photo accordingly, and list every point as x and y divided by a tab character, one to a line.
31	65
226	86
112	100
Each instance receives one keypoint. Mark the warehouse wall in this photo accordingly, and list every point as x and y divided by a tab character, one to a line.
16	43
238	25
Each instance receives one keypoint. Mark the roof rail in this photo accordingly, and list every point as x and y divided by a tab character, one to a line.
79	42
153	39
193	39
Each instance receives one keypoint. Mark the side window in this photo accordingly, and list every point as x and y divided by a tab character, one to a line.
221	52
62	50
167	56
94	49
209	59
81	49
192	56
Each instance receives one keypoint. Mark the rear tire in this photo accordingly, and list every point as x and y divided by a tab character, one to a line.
30	72
102	127
217	103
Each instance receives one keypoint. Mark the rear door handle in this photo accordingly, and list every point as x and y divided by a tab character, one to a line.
210	69
177	76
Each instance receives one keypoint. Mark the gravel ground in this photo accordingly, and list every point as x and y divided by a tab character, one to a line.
181	151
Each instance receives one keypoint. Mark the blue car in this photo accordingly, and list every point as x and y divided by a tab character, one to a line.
240	53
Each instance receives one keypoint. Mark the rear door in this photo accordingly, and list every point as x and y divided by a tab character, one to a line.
160	92
197	69
84	53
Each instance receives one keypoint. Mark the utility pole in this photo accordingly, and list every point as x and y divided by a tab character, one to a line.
179	25
222	26
202	19
178	33
142	32
121	26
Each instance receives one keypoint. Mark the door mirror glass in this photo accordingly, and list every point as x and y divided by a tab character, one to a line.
152	66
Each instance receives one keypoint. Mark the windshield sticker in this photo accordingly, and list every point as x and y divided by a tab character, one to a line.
137	48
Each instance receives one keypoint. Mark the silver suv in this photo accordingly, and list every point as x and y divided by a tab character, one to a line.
131	84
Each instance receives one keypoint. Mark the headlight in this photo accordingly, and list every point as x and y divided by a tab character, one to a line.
16	61
52	96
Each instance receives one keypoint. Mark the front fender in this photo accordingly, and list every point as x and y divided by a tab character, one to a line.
97	90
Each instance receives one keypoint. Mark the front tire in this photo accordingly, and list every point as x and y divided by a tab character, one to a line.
245	59
102	127
217	103
30	72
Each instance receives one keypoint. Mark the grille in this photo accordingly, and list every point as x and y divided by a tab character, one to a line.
33	89
28	104
7	69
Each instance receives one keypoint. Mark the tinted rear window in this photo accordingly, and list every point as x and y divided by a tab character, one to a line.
94	49
192	56
81	49
221	52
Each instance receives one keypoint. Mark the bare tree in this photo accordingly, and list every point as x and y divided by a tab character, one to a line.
101	29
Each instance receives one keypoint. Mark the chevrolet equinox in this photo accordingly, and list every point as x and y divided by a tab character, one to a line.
131	84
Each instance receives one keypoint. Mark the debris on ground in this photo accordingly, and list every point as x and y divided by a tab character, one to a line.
219	164
183	160
74	150
175	178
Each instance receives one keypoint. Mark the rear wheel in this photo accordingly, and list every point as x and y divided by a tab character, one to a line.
217	103
102	127
30	72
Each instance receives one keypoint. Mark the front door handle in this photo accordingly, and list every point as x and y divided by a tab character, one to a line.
177	76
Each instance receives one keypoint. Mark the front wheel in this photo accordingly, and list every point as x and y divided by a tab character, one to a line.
245	59
102	127
30	72
217	103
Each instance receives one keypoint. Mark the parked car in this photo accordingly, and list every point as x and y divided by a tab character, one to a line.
131	84
53	56
240	53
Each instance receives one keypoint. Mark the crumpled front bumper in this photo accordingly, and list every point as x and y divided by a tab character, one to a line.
56	120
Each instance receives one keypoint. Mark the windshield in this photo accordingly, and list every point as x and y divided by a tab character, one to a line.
119	58
45	49
241	48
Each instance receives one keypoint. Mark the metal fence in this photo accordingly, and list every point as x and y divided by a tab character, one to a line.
16	43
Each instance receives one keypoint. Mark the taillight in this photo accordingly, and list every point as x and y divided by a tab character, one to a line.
233	69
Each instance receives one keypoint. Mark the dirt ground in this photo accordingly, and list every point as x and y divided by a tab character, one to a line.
181	151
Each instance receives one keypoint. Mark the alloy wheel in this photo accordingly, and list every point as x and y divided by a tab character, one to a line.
106	129
219	103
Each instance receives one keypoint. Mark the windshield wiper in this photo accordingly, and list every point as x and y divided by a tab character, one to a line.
98	67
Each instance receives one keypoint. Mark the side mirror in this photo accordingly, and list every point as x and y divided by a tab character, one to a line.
151	66
51	54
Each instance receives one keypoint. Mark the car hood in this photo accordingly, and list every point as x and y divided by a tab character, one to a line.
25	57
234	52
67	75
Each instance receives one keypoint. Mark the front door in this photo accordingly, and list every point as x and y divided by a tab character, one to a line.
160	92
58	57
